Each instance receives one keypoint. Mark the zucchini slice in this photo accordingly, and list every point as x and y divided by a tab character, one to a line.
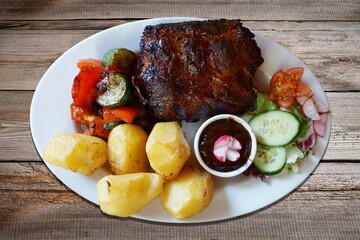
275	128
118	92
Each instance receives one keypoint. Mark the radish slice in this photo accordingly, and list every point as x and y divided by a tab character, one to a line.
232	155
323	117
222	141
320	125
220	153
319	128
235	144
226	147
321	108
310	110
309	143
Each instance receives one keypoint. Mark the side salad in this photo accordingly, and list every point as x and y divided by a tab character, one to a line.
287	122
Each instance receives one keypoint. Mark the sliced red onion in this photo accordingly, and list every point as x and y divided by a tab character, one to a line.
308	143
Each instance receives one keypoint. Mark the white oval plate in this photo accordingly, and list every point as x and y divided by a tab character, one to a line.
50	114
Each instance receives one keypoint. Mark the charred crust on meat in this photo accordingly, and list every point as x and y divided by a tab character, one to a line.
191	70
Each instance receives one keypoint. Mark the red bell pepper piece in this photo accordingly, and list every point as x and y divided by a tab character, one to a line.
84	87
83	115
95	128
123	113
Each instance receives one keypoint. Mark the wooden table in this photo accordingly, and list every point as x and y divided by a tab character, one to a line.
325	35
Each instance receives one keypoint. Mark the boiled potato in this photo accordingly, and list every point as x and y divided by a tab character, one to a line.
124	195
76	152
126	146
188	194
167	149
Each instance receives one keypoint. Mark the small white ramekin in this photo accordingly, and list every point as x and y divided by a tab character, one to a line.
236	171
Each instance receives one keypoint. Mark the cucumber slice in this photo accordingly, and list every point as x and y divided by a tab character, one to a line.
118	92
275	128
270	160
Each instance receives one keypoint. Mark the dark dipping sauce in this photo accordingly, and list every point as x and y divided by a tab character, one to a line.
217	129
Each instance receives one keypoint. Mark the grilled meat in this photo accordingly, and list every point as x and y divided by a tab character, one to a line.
190	70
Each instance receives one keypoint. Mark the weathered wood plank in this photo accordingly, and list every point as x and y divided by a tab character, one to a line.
35	176
101	24
248	10
79	24
65	216
331	55
33	202
16	143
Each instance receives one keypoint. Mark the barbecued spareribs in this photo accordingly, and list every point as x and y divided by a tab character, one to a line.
191	70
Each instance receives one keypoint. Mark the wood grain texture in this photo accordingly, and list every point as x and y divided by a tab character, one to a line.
325	35
331	55
32	196
247	10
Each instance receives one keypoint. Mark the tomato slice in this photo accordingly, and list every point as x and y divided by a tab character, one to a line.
286	103
303	90
275	85
294	75
284	86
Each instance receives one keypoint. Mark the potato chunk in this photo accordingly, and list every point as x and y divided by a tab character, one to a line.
126	144
188	194
76	152
167	149
124	195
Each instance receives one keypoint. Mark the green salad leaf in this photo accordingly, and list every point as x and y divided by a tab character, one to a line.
263	104
304	121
